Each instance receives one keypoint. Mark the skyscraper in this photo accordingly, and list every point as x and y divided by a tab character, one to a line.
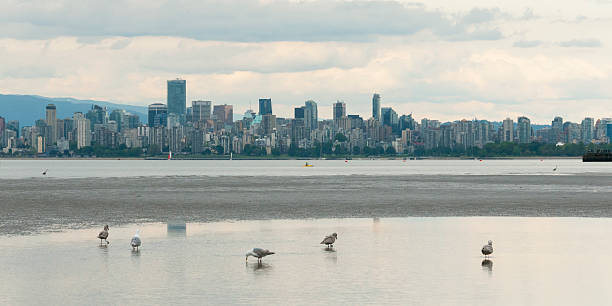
339	110
389	117
224	113
177	97
556	130
508	130
376	106
83	130
51	121
158	115
524	130
314	116
201	110
265	106
587	128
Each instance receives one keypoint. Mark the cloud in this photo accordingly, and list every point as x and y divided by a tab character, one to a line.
582	43
246	21
527	43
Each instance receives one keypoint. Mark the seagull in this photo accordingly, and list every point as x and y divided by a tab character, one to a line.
136	242
103	235
555	169
329	240
258	253
487	249
45	172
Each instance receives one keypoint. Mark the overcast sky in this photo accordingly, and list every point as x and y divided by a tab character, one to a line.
438	59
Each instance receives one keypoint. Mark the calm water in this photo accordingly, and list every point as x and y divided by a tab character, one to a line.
13	169
418	261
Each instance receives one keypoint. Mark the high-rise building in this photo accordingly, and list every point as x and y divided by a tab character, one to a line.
376	106
83	130
524	130
158	115
223	113
177	97
388	116
11	125
609	132
51	122
587	130
314	116
556	130
97	115
339	110
508	130
2	125
201	110
268	123
265	106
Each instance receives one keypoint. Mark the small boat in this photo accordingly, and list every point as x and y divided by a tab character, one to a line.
308	165
169	155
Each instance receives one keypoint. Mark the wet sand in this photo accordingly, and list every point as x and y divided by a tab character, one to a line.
48	204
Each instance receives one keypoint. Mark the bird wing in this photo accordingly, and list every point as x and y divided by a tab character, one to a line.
328	240
103	235
136	241
259	252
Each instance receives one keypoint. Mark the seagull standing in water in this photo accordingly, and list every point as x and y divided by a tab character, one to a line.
103	235
258	253
136	242
329	240
487	249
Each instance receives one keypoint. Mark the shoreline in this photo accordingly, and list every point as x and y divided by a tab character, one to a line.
301	158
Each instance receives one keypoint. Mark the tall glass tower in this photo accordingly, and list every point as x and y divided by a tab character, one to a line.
265	106
376	106
177	97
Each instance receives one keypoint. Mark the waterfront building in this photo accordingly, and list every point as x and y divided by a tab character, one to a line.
376	106
524	130
50	119
177	97
507	130
201	110
223	113
587	130
265	106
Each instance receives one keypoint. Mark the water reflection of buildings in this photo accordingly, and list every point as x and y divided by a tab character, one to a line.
177	227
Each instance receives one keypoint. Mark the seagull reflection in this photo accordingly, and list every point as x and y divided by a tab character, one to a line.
259	266
328	249
487	265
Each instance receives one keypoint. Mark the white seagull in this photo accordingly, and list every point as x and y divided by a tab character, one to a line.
136	242
258	253
103	235
487	249
329	240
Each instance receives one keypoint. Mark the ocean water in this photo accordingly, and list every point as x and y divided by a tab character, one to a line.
416	261
16	169
410	232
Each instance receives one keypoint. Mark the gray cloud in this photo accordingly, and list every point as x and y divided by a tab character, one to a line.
582	43
248	20
527	43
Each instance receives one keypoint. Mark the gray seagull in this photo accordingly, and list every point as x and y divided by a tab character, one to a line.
103	235
487	249
136	242
258	253
329	240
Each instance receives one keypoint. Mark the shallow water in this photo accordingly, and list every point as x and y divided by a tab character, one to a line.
431	261
15	169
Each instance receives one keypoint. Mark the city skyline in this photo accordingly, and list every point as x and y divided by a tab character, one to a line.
465	59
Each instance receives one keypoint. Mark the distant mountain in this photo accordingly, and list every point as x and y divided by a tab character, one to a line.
27	109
